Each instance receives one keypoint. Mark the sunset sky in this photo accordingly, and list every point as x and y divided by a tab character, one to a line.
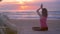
51	5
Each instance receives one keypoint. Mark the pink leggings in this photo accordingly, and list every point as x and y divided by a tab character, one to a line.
43	22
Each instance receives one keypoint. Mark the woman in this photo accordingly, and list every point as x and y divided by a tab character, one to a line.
43	19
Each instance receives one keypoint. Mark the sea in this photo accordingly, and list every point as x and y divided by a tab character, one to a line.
12	14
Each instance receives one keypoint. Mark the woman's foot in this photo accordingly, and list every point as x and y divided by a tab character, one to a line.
40	29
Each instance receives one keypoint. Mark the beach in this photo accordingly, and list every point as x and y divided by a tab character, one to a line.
22	22
24	26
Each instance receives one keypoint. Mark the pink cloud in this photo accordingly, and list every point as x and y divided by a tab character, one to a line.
45	0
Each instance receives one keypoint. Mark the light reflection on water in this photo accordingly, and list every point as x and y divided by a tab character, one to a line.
31	15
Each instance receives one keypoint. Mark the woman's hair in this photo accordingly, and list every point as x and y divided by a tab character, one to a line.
44	12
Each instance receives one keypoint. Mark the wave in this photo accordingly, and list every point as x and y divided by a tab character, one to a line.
31	15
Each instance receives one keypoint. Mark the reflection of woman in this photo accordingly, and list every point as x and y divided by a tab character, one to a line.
43	19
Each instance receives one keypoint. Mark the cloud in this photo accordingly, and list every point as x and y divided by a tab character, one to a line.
45	0
8	1
55	5
51	6
9	6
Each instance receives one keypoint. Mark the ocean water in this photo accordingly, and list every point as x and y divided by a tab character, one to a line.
30	14
24	27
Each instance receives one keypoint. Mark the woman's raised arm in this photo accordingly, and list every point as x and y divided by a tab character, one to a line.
38	12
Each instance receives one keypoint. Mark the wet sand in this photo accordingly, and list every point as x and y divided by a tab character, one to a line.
24	26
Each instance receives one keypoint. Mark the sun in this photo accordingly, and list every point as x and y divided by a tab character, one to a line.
24	1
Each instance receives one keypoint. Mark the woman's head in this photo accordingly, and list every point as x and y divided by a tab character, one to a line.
44	12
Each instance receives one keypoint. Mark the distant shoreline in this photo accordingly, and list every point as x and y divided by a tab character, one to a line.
33	19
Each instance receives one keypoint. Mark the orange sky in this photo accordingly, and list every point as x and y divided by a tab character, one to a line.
27	0
32	4
27	7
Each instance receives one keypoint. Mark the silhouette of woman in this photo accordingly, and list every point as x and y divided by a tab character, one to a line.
43	19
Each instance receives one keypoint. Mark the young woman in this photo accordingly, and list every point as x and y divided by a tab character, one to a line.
43	19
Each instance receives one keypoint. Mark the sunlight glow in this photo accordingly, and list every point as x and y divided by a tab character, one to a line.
24	1
23	7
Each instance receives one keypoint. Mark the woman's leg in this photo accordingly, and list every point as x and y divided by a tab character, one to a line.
43	23
43	27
